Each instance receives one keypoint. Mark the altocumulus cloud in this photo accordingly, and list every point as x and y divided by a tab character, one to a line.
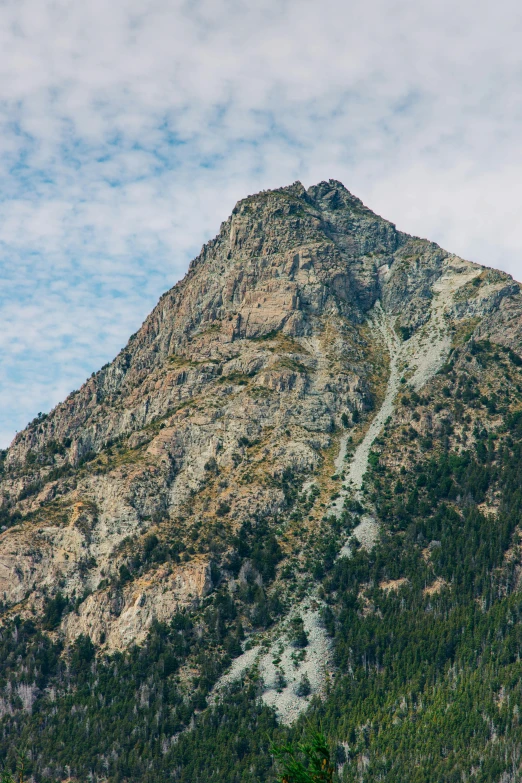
129	129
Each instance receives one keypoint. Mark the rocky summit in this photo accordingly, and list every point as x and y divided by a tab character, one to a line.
293	498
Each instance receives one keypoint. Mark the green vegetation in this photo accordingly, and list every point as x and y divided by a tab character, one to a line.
53	611
428	683
307	762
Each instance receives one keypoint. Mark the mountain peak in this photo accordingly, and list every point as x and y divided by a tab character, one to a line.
319	383
284	258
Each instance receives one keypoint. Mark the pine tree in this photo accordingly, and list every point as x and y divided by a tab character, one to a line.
308	762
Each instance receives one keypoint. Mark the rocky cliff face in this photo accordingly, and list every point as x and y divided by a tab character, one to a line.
240	388
301	478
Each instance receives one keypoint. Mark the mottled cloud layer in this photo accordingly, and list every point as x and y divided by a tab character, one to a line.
129	129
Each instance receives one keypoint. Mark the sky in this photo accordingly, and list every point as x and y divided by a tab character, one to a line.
128	131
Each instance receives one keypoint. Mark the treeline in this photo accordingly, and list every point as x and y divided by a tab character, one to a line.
426	632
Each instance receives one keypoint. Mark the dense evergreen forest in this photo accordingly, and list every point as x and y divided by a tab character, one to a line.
429	676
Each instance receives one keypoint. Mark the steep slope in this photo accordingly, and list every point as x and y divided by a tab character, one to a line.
418	359
231	460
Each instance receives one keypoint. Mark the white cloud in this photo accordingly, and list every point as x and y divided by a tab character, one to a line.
128	130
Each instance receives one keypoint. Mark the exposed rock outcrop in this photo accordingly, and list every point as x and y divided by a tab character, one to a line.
240	382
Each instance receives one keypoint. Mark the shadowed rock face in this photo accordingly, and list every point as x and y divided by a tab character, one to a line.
245	371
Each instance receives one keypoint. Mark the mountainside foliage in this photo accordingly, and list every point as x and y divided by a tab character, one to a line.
428	684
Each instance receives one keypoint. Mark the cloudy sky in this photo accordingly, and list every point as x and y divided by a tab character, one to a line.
129	129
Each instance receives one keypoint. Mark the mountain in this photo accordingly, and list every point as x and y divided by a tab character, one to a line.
293	498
